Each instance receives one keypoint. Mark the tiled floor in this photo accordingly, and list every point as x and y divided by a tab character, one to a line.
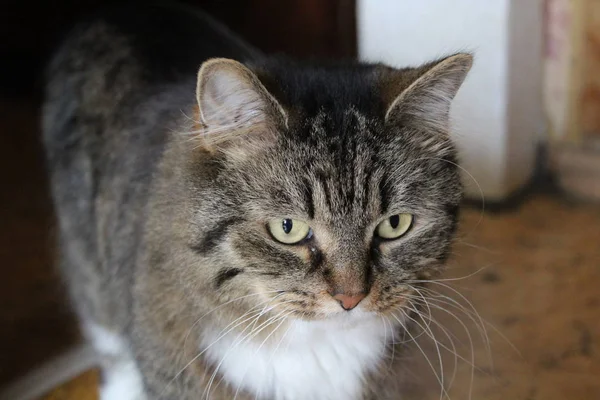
533	274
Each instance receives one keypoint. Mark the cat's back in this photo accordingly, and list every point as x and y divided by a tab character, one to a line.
116	86
113	90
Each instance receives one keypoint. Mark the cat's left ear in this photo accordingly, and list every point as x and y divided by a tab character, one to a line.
234	106
422	96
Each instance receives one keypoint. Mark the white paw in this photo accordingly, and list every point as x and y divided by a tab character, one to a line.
122	379
105	341
122	382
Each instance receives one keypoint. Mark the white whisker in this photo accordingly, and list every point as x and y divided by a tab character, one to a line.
423	352
429	333
212	344
221	306
481	323
472	363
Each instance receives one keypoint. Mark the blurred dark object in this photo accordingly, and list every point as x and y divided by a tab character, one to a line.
298	28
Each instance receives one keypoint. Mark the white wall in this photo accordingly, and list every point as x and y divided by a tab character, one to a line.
525	112
410	32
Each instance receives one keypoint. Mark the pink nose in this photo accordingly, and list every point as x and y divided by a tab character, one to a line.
349	302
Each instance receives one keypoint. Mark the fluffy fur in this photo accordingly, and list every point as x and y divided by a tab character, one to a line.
164	183
314	360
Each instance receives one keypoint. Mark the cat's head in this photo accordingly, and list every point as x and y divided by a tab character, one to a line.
322	189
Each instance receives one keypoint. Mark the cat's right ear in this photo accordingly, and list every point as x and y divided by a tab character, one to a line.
421	97
234	106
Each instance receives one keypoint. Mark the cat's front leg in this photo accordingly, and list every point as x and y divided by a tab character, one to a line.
122	381
120	376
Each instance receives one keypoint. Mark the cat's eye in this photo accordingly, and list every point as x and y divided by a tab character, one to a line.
289	231
394	226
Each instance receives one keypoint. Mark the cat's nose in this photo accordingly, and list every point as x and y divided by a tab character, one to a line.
348	302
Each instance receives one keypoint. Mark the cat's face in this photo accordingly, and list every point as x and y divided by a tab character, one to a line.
328	213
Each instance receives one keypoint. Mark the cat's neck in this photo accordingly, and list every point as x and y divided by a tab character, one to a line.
305	360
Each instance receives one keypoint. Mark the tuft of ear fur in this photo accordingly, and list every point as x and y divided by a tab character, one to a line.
233	104
426	100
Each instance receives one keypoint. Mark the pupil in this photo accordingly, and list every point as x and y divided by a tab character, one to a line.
287	225
394	221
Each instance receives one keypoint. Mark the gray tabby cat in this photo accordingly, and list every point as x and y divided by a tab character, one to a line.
254	230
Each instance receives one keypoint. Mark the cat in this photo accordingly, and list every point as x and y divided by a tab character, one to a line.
238	226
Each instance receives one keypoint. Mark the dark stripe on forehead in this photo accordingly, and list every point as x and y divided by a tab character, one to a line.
214	236
308	199
385	194
351	171
225	275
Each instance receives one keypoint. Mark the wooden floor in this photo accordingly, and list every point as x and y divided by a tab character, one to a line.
84	387
533	275
540	293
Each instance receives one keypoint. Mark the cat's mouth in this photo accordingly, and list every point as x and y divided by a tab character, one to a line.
311	307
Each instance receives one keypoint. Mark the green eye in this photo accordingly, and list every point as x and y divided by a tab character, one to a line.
289	231
394	226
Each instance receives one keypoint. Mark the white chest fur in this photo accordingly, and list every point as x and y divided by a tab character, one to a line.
324	360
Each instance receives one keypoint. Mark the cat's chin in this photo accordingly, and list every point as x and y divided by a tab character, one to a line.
340	323
347	319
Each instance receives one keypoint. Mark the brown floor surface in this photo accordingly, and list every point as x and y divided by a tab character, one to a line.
540	291
84	387
539	287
